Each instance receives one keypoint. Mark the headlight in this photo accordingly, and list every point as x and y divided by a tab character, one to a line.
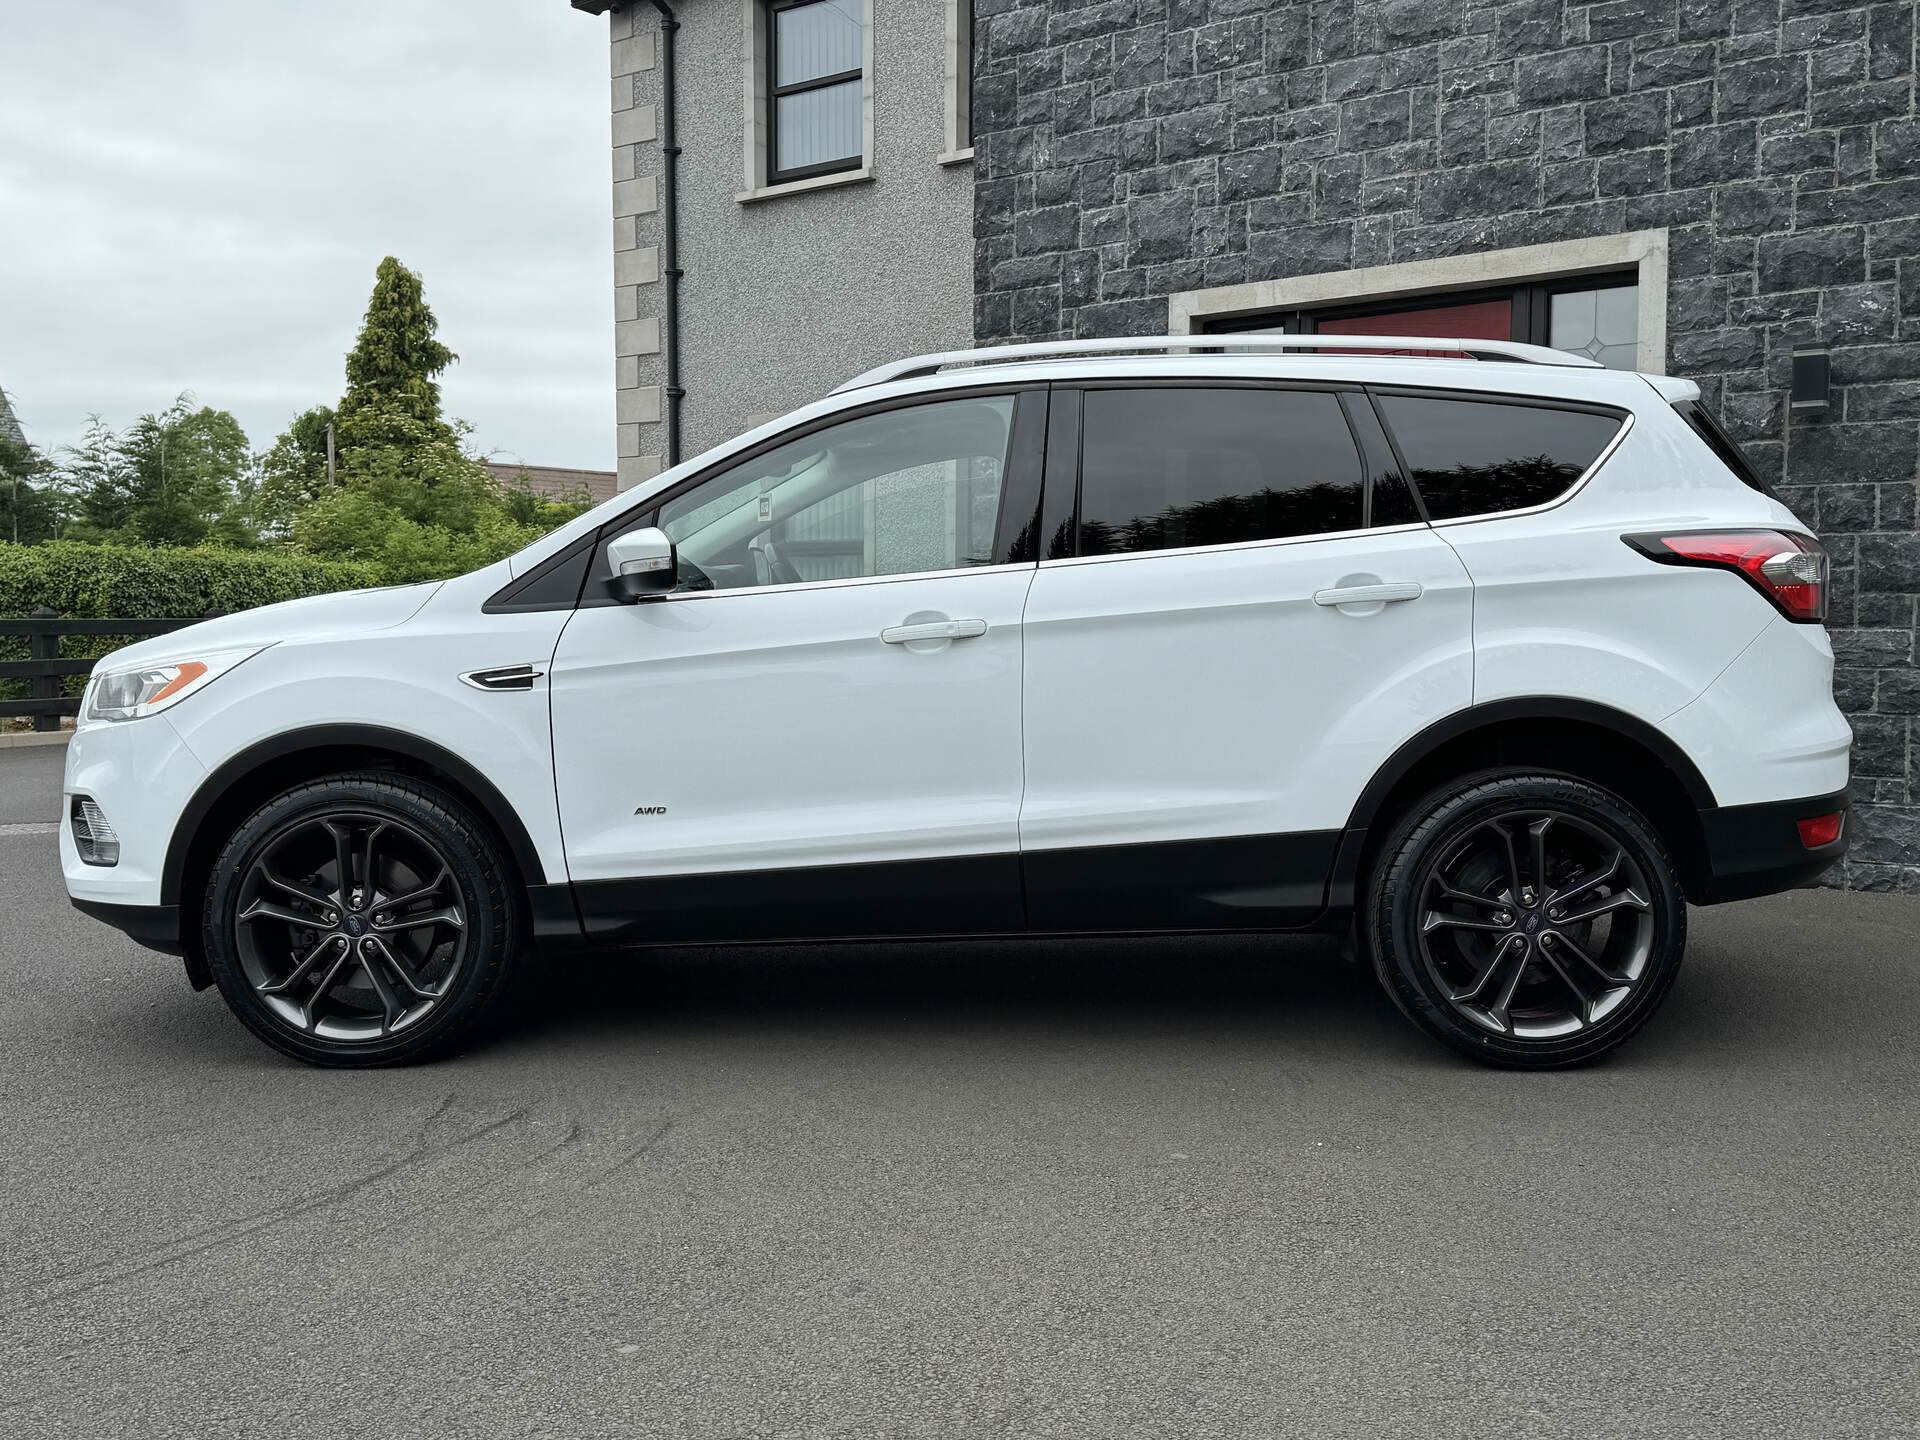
141	690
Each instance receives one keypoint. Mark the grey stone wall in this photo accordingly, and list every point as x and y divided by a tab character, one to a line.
1129	149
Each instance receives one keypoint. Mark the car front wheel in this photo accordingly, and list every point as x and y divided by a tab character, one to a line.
1526	919
362	919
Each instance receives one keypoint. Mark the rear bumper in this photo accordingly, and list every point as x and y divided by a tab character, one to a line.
1756	850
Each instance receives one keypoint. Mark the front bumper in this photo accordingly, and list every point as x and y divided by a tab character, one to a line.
1756	849
155	926
142	775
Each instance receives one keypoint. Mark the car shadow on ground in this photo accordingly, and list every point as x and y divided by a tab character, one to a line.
1041	978
1298	992
1303	986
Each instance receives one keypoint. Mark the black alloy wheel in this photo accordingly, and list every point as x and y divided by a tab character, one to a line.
1527	919
361	920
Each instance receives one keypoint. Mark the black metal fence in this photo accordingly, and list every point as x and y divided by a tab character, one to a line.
45	670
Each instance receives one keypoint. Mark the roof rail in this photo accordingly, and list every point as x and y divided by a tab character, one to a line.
1278	344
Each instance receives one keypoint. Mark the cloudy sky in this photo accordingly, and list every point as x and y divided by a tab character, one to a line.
194	195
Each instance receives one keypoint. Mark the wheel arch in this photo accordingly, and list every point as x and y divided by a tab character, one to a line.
1582	738
273	764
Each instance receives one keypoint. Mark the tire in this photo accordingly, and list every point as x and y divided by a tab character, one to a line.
1556	975
406	961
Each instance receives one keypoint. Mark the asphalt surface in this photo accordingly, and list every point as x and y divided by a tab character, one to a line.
1148	1189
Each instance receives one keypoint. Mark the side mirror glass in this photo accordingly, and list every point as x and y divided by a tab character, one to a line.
643	564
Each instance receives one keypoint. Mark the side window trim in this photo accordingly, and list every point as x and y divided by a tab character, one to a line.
1386	467
1622	418
1725	448
1021	448
1022	480
549	574
1059	537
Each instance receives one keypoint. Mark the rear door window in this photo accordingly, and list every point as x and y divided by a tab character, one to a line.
1181	466
1479	456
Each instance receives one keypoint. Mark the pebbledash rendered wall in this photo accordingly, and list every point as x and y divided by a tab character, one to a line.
1764	154
788	290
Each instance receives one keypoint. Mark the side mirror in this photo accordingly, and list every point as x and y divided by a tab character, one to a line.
643	565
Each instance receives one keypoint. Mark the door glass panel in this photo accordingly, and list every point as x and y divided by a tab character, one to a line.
1474	457
1603	325
1178	467
888	494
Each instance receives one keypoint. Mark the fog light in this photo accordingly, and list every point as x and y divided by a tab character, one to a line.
93	836
1822	829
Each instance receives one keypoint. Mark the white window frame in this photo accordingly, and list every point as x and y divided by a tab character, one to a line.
758	90
1191	312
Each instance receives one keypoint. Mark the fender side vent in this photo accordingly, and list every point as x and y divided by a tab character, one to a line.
506	677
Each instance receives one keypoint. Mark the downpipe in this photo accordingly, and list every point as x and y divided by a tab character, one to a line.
670	226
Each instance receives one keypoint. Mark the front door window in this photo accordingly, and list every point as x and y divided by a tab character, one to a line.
895	493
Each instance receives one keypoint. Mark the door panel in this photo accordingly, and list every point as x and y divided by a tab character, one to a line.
1192	695
725	732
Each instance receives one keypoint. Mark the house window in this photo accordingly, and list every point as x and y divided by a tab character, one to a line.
1601	323
966	55
816	87
1593	315
959	82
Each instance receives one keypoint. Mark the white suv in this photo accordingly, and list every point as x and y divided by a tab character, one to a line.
1498	655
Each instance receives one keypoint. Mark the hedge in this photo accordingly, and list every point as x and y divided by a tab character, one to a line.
105	582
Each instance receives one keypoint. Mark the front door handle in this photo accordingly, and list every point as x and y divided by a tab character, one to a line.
1369	594
933	630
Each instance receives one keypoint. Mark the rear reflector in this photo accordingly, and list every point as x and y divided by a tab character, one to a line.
1822	830
1788	568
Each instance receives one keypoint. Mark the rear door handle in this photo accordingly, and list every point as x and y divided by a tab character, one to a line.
933	630
1369	594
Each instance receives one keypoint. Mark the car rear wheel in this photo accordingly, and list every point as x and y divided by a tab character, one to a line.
362	919
1526	919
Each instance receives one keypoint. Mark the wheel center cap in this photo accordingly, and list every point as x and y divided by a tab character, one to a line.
355	926
1532	922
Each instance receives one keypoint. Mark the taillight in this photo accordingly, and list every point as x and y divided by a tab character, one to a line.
1788	568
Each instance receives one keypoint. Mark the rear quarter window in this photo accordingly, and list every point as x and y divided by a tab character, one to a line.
1480	456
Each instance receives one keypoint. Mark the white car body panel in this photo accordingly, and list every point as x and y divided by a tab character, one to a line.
777	729
1563	607
143	774
1182	694
317	673
1752	732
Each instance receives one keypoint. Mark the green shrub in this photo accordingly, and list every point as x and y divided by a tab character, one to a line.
79	581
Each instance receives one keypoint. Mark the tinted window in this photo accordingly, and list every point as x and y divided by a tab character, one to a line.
888	494
1167	469
1475	457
